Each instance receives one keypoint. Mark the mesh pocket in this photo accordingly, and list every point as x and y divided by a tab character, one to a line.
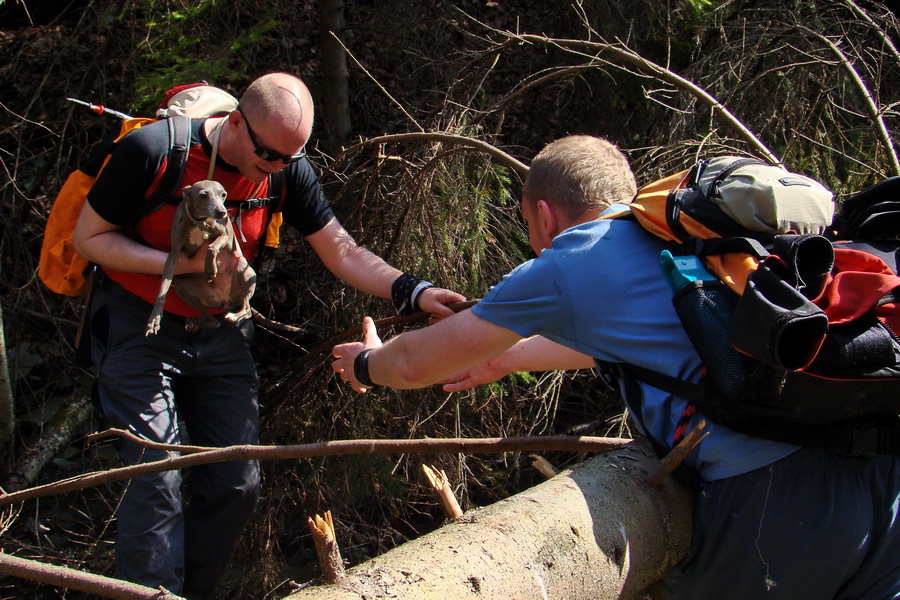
705	308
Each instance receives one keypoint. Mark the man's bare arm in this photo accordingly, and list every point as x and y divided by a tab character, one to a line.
101	242
531	354
425	356
367	272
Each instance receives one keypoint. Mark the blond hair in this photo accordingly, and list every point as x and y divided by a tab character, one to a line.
580	173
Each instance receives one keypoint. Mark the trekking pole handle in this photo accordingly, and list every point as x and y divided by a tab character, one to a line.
99	109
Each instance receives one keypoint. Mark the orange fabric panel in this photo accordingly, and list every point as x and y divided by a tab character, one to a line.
649	206
733	268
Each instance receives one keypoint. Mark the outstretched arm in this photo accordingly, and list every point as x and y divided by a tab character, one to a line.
531	354
425	356
360	268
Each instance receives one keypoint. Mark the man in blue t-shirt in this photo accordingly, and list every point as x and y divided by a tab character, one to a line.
771	520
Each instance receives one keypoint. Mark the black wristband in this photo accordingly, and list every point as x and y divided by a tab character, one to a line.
405	292
361	368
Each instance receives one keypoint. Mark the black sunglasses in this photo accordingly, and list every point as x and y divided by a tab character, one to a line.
270	155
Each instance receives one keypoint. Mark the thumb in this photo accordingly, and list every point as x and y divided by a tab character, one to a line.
370	333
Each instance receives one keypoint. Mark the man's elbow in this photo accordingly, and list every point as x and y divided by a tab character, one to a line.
413	376
83	246
80	246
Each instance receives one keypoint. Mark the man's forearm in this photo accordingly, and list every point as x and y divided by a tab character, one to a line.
540	354
425	356
114	250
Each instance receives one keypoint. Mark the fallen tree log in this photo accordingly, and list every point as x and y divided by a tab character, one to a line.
598	531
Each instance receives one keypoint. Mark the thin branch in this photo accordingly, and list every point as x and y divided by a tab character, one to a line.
79	580
618	55
448	138
202	456
868	99
885	39
676	456
375	81
555	73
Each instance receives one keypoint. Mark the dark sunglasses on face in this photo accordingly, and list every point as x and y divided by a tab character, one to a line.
270	155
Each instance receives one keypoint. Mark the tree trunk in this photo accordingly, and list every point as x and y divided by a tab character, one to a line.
336	101
58	434
7	409
597	531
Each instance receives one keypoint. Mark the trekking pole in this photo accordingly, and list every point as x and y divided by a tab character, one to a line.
99	109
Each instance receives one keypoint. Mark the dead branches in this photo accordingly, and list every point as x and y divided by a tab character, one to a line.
622	57
199	456
868	99
449	138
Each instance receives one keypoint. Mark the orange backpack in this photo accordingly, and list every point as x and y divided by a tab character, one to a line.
61	268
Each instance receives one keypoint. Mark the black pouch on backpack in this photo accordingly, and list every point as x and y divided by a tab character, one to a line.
775	323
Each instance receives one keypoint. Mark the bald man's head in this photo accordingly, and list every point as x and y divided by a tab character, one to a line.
280	100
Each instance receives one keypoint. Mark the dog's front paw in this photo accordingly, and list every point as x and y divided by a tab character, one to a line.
153	326
211	269
234	317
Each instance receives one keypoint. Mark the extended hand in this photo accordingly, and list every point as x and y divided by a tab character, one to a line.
345	354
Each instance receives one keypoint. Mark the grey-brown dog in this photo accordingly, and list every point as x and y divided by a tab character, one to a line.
228	281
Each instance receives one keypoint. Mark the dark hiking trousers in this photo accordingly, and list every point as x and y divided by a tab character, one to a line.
176	530
812	525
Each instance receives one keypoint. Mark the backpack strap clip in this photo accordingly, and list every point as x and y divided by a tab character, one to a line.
865	439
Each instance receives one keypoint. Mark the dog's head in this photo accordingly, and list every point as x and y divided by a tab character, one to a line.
205	200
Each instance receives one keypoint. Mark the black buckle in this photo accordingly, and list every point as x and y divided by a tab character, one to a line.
862	440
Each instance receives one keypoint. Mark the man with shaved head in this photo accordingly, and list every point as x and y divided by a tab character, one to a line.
204	379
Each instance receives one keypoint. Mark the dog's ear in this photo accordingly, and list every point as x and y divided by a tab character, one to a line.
184	191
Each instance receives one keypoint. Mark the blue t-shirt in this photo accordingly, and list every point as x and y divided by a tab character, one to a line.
600	290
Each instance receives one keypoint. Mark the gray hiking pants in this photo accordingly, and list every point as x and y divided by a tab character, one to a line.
176	530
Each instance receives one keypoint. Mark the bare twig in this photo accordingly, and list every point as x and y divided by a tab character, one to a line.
885	39
677	455
525	86
7	409
448	138
266	321
334	448
376	82
79	580
440	485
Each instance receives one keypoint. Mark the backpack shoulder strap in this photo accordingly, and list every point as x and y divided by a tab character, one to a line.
276	191
176	161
